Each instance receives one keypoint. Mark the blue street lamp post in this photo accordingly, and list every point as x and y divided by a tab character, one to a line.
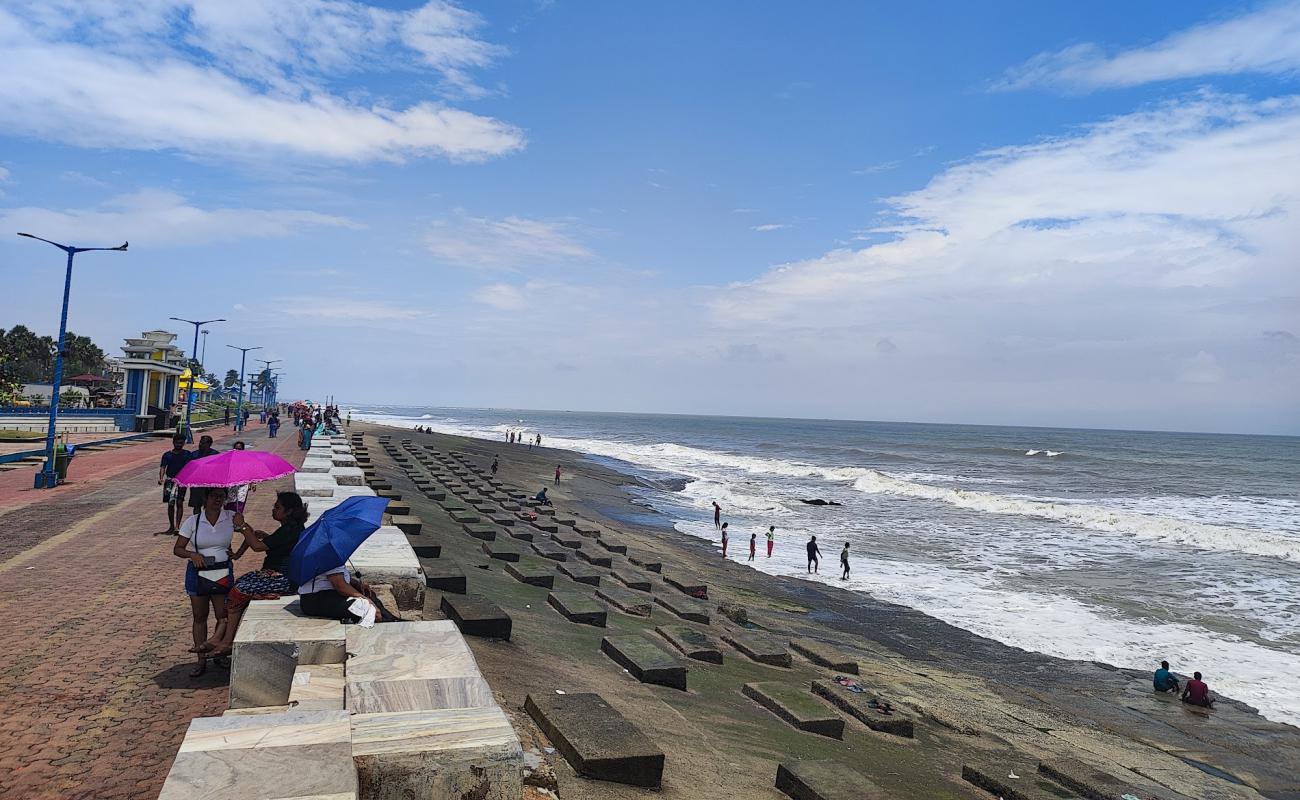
265	375
239	407
48	478
189	392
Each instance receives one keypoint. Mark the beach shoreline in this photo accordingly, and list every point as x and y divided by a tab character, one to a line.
959	673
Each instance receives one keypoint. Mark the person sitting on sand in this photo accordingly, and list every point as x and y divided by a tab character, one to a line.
542	498
1197	692
814	553
1164	680
271	581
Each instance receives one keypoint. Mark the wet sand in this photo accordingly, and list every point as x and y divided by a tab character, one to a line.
974	699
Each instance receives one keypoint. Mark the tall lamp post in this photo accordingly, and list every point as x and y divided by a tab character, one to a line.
239	408
189	393
48	478
203	354
266	369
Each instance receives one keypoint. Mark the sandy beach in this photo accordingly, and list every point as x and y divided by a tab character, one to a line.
973	700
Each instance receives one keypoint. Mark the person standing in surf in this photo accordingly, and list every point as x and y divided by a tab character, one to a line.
844	561
717	515
771	539
753	545
724	540
814	553
557	474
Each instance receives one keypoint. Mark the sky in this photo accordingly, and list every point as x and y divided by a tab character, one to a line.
1077	215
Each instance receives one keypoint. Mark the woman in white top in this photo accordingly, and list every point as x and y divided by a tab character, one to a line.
204	542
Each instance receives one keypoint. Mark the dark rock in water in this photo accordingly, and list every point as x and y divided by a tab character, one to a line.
817	501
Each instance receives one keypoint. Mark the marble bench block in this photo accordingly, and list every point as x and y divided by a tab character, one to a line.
412	666
791	703
684	607
581	573
314	484
274	638
344	492
477	616
597	741
823	655
631	579
694	643
858	706
344	460
596	559
315	464
386	557
349	476
634	603
530	572
550	551
317	687
291	754
578	608
445	753
645	660
760	647
825	780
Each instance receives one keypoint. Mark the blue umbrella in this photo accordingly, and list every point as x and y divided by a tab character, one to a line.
332	539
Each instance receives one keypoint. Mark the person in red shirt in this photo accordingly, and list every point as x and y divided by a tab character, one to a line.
1197	693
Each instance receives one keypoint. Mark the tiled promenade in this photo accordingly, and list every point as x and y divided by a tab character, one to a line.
94	689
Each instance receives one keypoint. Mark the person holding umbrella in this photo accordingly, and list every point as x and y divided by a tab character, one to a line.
318	563
204	542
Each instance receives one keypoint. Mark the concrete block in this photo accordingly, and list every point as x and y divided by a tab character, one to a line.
465	516
581	573
613	545
397	508
294	753
500	551
408	524
566	540
858	706
684	607
824	655
427	551
760	647
992	775
444	576
693	642
586	529
596	559
532	573
645	660
629	602
825	780
547	550
631	579
274	638
444	753
545	525
646	561
793	704
597	741
688	584
477	616
1093	784
480	530
578	608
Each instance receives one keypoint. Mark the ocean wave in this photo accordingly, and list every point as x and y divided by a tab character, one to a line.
1151	527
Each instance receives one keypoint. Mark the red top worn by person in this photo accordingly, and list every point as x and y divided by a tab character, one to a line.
1197	692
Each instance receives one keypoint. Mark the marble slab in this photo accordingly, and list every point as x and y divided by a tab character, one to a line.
274	638
317	687
386	557
288	754
348	476
412	666
448	753
343	459
314	484
316	464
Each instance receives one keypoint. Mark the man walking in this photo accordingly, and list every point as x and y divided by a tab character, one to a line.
225	417
813	555
844	561
174	496
771	539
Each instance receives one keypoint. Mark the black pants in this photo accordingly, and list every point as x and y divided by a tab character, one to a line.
331	604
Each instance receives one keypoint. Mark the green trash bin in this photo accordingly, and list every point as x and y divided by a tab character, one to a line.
61	459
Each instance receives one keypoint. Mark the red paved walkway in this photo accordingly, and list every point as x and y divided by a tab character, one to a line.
94	691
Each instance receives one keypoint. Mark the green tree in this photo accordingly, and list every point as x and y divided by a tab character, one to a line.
81	356
24	356
232	379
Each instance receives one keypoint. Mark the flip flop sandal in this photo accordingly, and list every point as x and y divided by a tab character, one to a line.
200	669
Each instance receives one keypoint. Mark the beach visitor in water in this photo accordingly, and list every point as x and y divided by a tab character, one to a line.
753	545
814	553
844	562
771	539
724	540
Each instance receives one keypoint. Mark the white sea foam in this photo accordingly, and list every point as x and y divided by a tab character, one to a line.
1032	452
1273	544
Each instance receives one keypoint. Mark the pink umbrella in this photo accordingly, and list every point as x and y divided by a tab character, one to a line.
234	468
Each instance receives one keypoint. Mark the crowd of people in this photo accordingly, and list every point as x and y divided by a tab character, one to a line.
814	552
1195	692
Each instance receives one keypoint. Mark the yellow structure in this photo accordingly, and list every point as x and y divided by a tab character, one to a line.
201	387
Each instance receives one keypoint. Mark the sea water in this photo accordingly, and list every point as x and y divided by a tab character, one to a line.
1116	546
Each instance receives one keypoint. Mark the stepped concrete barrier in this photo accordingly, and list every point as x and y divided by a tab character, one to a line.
597	741
824	655
578	608
693	642
760	647
625	600
790	703
825	780
645	660
858	705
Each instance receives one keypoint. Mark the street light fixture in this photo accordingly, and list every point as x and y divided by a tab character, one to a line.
189	393
239	409
266	367
48	478
203	354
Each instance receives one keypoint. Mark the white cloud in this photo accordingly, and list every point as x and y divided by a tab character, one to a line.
872	169
502	296
348	311
770	226
1263	41
240	77
506	243
1202	368
159	218
1102	257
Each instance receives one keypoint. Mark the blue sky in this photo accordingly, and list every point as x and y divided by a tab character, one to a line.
1017	213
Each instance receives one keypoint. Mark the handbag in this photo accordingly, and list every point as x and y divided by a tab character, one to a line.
214	578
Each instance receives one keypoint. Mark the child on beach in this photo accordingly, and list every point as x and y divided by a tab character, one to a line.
724	540
753	543
771	539
813	554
